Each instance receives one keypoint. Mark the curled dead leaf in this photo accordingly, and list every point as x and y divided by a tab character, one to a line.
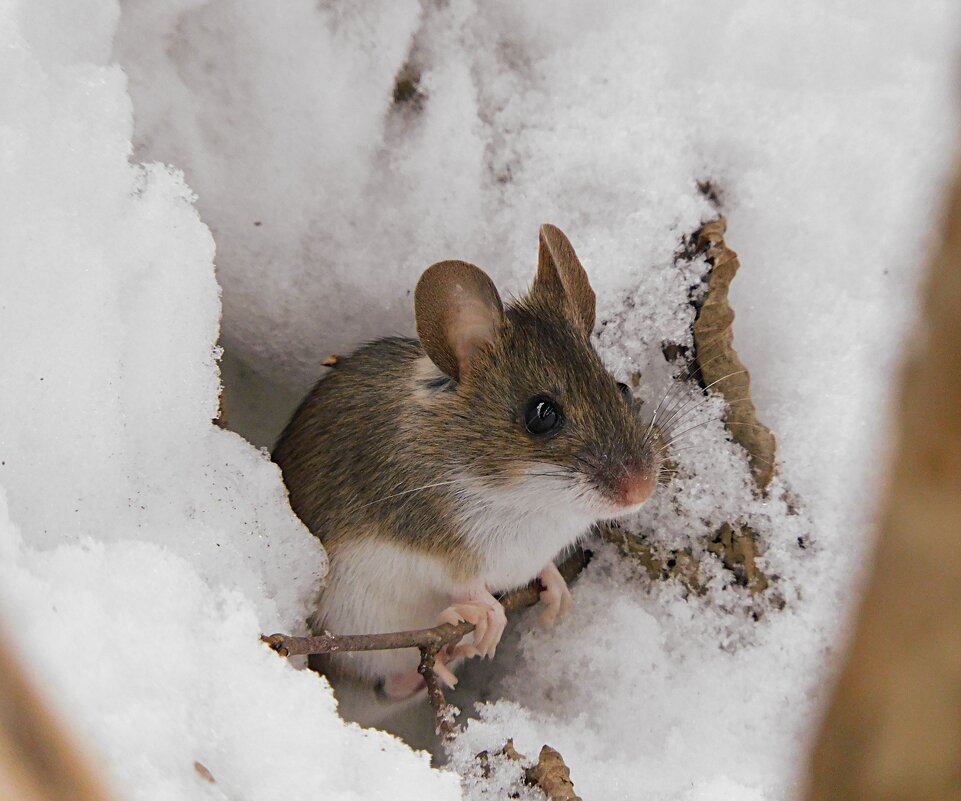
659	566
718	362
553	776
715	361
549	773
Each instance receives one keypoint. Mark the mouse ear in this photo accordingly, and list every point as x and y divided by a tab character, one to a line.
458	312
561	276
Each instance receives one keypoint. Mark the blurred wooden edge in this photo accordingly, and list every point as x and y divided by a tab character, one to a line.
893	727
38	760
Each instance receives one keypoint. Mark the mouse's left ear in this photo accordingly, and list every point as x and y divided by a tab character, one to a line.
561	276
458	313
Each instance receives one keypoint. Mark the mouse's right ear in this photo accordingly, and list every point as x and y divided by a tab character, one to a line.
458	312
561	277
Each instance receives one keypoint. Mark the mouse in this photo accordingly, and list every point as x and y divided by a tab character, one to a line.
442	471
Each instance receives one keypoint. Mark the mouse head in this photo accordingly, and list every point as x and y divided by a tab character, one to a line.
521	401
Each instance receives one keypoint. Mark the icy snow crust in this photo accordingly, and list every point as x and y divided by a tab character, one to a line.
143	550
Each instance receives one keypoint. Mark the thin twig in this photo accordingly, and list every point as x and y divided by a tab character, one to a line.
428	641
444	712
328	643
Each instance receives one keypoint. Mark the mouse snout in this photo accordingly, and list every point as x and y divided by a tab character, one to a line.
636	487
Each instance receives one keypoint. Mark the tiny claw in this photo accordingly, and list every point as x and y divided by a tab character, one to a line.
445	675
450	616
556	597
466	651
481	609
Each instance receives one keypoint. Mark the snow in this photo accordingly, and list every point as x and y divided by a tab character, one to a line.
143	549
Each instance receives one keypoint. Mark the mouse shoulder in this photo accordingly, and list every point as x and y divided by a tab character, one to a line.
379	361
349	420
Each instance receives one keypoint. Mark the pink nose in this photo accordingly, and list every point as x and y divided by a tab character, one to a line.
636	488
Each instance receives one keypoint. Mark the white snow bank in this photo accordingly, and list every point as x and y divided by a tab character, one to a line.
158	669
824	127
143	550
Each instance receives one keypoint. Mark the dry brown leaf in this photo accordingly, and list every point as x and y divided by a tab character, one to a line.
717	360
550	773
508	750
673	564
720	368
737	549
407	86
552	776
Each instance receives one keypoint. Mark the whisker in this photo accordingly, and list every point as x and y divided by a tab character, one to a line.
753	455
681	380
675	438
697	364
408	492
726	402
674	451
681	450
705	400
561	474
675	385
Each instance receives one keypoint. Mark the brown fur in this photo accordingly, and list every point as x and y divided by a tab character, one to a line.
380	426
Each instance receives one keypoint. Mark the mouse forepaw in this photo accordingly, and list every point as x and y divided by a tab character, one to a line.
475	613
485	612
555	596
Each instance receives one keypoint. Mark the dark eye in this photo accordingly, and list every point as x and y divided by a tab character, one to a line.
626	391
543	415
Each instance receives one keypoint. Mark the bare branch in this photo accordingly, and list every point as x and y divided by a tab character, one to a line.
327	643
428	641
444	712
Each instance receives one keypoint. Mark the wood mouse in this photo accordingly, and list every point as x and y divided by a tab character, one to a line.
442	471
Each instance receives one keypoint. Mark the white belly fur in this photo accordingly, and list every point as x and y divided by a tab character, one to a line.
375	586
518	530
514	548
